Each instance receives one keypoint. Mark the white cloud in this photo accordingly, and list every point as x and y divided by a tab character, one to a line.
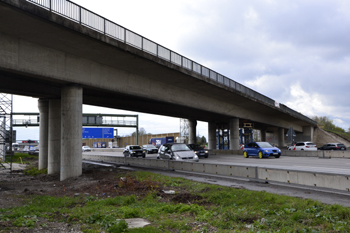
309	104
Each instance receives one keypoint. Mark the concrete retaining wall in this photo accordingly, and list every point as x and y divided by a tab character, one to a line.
319	153
311	179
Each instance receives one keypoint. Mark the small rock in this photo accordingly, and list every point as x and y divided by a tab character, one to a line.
169	191
76	194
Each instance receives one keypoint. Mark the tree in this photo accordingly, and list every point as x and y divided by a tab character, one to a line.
142	131
326	123
201	140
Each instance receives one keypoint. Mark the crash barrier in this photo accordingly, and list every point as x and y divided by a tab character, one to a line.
226	152
318	153
297	177
107	149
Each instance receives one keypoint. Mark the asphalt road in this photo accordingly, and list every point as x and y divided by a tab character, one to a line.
333	165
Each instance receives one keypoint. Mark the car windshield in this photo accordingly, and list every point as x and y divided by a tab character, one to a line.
264	144
135	147
310	143
179	147
196	147
149	146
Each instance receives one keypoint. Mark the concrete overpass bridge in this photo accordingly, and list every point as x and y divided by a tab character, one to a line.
67	56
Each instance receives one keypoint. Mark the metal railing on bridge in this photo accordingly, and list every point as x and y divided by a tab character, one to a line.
98	23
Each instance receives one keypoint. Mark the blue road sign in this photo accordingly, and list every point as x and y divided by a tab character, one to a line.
98	132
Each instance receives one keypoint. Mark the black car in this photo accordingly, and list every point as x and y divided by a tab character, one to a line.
198	150
134	151
333	146
150	149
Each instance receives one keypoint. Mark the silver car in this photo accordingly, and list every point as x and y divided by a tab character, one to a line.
178	152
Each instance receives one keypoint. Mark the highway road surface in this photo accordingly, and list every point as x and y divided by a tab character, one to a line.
333	165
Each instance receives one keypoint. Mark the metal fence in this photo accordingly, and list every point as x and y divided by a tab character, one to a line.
98	23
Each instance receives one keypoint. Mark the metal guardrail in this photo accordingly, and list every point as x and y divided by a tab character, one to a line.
98	23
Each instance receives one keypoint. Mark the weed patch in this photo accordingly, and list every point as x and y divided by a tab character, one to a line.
195	207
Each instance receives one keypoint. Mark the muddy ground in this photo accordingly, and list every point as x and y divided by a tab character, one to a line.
95	181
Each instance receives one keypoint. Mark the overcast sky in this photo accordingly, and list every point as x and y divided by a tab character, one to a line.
295	52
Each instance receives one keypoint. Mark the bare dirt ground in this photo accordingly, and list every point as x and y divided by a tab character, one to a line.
95	181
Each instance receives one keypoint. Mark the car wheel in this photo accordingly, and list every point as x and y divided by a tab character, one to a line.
206	156
245	154
277	156
144	156
260	155
157	157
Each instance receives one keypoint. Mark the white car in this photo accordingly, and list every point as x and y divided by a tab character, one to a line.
307	146
86	148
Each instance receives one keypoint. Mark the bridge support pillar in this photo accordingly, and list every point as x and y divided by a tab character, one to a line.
280	137
308	133
234	133
54	161
71	131
263	135
43	106
212	135
192	131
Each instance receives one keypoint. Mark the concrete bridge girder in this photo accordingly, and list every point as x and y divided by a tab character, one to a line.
56	58
62	68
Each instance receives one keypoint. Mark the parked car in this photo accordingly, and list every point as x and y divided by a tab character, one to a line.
261	149
333	146
150	149
198	150
134	151
34	151
86	148
309	146
177	151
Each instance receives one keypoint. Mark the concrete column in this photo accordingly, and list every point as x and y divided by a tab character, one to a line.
308	133
280	137
192	131
263	135
71	131
43	106
211	135
54	136
234	134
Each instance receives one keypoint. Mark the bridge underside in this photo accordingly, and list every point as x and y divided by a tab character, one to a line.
47	56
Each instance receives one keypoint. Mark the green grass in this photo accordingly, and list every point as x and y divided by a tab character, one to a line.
222	208
21	158
341	134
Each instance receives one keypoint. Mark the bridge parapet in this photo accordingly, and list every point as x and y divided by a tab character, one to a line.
104	26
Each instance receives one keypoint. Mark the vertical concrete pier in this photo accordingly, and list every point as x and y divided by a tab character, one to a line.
280	137
192	131
43	105
71	131
212	135
263	135
308	133
54	161
234	133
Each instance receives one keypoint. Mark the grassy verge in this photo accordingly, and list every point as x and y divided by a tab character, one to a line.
341	134
206	208
21	158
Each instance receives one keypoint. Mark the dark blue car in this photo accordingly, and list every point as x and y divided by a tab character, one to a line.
261	149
